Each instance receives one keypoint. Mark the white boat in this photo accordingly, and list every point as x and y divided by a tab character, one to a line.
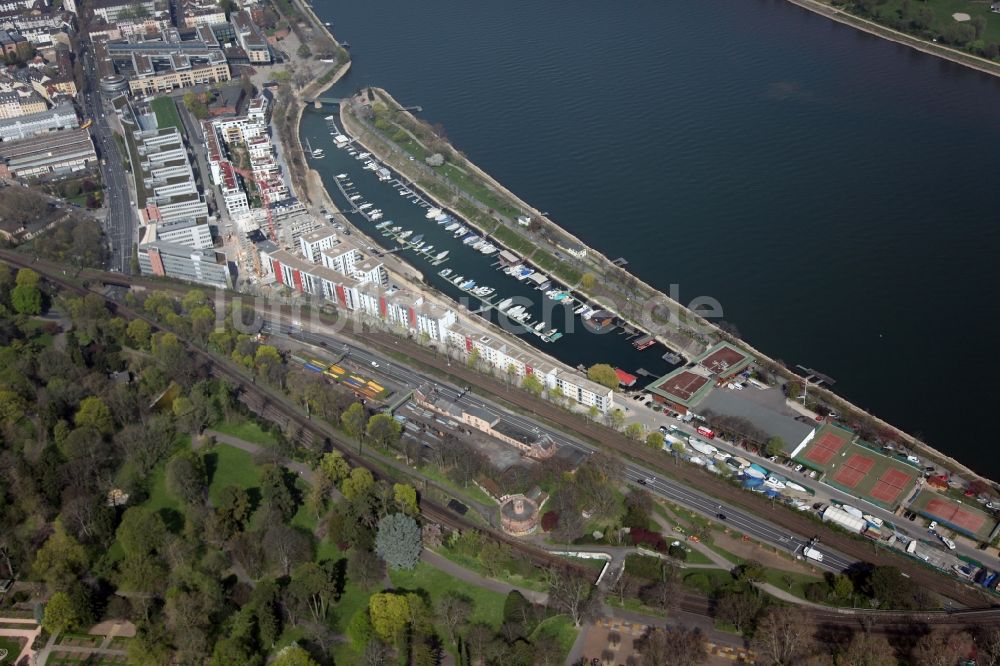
328	118
796	487
452	226
441	256
702	447
478	244
580	309
317	153
441	218
341	176
406	234
773	482
362	156
364	206
854	511
445	273
488	248
471	239
458	279
418	246
540	326
432	213
504	304
750	471
427	249
355	197
877	522
515	311
375	216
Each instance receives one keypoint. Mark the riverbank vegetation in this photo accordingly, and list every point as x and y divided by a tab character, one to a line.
962	24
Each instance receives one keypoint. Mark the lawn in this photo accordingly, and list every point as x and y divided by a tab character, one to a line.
13	647
558	628
248	431
488	604
230	467
943	10
166	113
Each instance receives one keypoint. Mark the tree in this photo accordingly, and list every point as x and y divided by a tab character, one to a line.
781	638
384	430
941	648
61	614
454	610
233	509
617	418
405	497
313	587
275	493
774	446
334	467
186	477
738	608
27	278
365	568
60	559
293	655
141	531
988	646
574	595
634	431
867	649
888	588
398	541
93	413
750	571
677	646
587	281
532	384
654	440
603	374
842	587
390	613
353	420
138	332
663	595
26	299
357	484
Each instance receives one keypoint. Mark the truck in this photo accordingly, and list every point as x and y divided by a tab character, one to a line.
812	554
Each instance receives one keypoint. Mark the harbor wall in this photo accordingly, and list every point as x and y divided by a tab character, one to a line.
840	403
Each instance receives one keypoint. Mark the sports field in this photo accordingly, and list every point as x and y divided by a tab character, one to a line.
856	469
954	514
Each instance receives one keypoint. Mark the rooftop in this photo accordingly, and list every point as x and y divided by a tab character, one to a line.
683	386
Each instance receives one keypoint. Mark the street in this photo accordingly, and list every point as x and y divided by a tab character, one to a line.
120	224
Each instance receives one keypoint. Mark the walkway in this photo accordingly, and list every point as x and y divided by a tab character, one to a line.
43	655
30	632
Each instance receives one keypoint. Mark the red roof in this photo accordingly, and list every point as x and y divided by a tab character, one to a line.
624	378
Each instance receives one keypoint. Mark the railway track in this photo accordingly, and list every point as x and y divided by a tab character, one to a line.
279	410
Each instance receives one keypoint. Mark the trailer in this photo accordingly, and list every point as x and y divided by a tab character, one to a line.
840	517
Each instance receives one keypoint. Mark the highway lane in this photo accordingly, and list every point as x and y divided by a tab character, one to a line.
754	526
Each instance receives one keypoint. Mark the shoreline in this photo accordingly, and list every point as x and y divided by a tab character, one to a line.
884	32
841	403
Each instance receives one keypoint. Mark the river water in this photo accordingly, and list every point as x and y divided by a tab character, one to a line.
831	190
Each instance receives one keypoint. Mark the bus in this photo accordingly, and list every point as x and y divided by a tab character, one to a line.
706	432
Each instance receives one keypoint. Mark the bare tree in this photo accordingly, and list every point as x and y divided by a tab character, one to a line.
781	639
738	608
988	644
677	646
867	649
941	648
573	595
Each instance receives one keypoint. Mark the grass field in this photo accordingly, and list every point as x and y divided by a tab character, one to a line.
230	466
942	11
247	431
166	113
13	647
488	604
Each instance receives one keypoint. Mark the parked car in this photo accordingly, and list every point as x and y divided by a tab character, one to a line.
799	468
932	526
948	542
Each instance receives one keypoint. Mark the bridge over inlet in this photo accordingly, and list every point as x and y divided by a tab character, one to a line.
320	101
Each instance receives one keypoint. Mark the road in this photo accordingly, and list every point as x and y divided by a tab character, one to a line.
754	526
120	224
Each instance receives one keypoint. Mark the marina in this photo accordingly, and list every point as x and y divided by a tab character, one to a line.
521	298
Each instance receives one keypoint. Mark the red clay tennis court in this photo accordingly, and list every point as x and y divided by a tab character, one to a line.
890	486
855	469
951	512
824	449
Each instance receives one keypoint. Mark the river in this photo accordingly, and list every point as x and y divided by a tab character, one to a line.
831	190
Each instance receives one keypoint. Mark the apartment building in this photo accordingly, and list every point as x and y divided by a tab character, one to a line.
250	39
113	10
169	190
166	62
188	232
196	13
165	259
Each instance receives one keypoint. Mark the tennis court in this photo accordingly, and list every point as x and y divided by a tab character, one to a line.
855	469
890	486
954	514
